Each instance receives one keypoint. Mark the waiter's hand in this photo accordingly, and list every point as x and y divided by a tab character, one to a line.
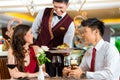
65	54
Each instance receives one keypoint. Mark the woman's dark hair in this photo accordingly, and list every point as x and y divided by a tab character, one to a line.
94	23
61	1
17	44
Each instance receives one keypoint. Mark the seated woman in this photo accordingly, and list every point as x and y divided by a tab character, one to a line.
21	54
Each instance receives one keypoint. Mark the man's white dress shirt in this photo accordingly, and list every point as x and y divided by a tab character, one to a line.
107	62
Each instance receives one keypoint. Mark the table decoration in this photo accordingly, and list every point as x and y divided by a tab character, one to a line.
41	57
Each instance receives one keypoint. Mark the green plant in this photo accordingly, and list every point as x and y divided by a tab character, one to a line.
41	56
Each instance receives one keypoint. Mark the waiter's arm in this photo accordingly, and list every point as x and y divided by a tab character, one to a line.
37	22
70	35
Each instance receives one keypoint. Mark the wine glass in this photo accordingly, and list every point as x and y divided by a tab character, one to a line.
11	63
73	62
66	62
56	61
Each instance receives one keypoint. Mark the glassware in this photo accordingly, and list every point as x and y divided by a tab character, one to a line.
11	64
56	61
66	61
73	62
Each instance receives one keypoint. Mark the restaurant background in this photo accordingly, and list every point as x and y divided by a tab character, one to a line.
26	10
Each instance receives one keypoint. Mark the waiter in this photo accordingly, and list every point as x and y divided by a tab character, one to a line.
53	27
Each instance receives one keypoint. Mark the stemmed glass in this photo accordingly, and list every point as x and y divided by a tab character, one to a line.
73	62
56	61
11	64
66	62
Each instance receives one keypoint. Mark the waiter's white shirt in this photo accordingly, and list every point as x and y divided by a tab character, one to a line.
107	62
68	38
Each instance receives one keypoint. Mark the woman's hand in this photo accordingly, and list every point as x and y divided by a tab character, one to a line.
46	74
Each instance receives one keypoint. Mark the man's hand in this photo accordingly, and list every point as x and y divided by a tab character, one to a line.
66	71
76	72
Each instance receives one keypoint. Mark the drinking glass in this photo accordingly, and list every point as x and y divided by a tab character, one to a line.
56	61
66	62
11	64
73	62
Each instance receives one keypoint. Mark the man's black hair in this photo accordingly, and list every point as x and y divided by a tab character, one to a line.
61	1
94	23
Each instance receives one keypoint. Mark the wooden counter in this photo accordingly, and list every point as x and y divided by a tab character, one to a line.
4	73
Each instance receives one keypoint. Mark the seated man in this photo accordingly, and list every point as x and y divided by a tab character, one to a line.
100	61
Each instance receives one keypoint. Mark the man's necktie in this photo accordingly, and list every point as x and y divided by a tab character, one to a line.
92	66
59	17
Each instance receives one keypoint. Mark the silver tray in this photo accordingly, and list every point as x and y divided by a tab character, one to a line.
66	50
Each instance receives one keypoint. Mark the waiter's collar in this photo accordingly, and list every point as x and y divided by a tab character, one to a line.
62	14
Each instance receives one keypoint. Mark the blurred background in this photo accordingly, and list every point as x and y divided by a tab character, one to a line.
14	11
26	10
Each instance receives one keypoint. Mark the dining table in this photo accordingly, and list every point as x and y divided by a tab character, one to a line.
65	78
52	78
4	74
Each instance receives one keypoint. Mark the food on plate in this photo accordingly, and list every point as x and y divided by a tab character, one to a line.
63	46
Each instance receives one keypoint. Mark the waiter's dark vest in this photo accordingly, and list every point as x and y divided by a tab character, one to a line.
58	32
